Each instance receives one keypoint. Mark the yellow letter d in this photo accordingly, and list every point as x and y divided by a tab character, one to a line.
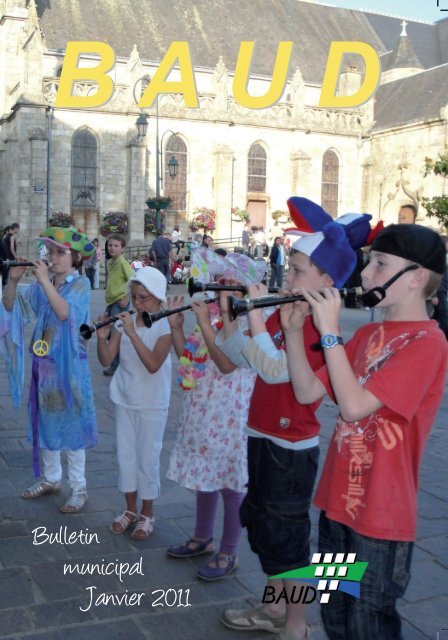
371	78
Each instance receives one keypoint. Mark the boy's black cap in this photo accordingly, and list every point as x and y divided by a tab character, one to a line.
413	242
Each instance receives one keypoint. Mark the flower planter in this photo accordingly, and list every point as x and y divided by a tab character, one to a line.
154	203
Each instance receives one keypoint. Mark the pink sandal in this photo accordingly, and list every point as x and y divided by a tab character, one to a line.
123	522
143	528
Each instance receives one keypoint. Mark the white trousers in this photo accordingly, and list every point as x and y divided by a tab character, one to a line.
76	467
139	443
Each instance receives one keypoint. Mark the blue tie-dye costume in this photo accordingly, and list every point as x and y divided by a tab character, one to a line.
61	388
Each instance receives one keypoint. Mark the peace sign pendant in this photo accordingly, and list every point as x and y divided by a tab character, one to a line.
40	348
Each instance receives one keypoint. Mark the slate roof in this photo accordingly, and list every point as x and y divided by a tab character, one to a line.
412	99
212	28
404	55
424	37
215	28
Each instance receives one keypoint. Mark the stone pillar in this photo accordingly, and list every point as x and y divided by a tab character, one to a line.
2	185
38	178
135	192
300	164
223	190
367	183
10	204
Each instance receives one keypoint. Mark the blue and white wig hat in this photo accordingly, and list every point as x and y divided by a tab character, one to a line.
330	244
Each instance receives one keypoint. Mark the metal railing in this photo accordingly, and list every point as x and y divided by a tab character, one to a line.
229	244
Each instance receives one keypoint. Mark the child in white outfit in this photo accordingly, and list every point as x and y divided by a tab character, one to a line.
140	391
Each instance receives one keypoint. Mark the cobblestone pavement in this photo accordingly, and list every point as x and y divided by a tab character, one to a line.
37	601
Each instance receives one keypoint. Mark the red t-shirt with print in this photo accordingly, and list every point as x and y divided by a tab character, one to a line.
370	477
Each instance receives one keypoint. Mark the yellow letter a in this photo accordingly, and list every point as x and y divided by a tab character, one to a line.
158	84
279	75
371	78
71	73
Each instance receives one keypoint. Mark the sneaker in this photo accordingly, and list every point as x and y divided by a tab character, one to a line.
255	619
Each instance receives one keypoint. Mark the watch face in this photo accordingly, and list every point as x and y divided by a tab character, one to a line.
329	341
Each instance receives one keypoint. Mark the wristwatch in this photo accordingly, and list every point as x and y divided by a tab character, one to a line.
329	341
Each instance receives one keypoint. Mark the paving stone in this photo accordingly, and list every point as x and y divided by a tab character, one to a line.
428	580
15	588
13	529
427	527
429	617
14	621
435	544
59	613
117	630
22	552
54	585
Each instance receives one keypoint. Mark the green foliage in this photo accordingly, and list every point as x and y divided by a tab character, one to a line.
437	207
281	216
240	214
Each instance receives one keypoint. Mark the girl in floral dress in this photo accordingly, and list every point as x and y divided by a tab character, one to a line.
209	454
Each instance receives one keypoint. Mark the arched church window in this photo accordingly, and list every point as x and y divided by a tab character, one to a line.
256	178
84	169
330	183
176	188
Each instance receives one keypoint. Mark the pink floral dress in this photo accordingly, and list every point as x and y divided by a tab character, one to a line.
210	448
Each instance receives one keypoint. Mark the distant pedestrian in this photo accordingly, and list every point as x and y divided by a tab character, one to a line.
176	238
161	253
246	237
277	262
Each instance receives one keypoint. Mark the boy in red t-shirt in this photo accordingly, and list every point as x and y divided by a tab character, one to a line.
388	382
283	443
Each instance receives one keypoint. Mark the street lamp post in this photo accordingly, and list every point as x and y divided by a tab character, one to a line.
173	164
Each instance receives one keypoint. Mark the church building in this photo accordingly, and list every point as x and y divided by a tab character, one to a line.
221	155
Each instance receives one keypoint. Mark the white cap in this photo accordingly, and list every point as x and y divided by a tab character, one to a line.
153	281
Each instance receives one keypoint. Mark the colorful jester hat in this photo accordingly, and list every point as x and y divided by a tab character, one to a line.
330	244
68	238
206	266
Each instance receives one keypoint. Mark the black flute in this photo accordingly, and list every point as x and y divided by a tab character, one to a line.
240	305
195	287
87	330
15	263
153	317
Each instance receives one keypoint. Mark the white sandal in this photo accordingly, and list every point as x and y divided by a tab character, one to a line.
124	521
75	503
40	488
143	528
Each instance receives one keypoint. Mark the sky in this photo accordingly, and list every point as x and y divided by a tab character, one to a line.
429	10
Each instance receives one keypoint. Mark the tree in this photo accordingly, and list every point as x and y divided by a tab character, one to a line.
437	207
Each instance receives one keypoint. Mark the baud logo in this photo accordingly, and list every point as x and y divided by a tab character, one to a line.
327	573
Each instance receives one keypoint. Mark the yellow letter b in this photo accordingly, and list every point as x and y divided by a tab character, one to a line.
71	73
